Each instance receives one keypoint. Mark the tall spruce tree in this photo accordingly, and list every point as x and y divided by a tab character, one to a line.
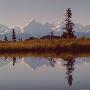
13	35
5	39
69	25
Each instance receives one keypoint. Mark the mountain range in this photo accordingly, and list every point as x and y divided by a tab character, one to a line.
37	29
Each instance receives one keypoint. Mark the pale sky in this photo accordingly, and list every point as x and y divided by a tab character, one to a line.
20	12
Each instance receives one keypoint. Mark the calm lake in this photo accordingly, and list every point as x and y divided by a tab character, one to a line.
40	73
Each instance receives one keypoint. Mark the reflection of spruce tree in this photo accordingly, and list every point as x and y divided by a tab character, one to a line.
52	61
70	69
14	60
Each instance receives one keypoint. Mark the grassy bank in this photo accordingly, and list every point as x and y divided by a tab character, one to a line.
57	45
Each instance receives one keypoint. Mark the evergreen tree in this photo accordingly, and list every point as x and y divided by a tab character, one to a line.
69	25
13	35
51	37
5	39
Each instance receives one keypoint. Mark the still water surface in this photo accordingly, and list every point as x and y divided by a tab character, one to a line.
34	73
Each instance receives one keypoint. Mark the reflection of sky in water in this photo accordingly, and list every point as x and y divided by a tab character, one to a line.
43	74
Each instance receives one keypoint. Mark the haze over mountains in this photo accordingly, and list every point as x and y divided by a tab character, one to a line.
37	29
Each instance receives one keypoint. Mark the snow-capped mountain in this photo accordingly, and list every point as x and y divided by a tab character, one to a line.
37	29
5	31
81	30
3	62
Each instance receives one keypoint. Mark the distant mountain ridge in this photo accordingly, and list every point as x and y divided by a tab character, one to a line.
37	29
5	31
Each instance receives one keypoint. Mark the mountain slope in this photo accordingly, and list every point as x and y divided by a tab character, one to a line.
37	29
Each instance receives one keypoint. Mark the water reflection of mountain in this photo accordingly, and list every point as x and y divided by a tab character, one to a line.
81	60
69	64
54	62
3	62
39	62
36	62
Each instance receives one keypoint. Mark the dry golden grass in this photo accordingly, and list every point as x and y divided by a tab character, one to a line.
47	45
